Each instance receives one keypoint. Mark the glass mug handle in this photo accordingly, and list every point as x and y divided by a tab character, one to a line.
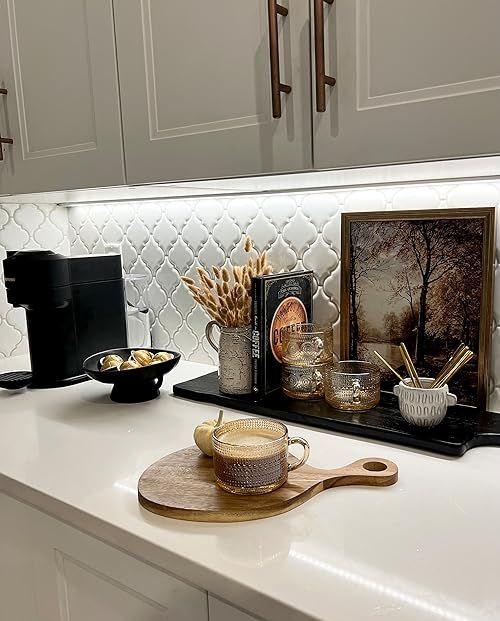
356	388
305	456
208	333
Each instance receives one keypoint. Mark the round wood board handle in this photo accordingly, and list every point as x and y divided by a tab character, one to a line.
182	486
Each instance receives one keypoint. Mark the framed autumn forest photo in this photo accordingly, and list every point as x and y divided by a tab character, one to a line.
424	278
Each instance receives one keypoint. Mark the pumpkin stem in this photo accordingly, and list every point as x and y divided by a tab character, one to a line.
219	420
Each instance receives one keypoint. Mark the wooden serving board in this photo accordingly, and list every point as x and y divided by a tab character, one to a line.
182	486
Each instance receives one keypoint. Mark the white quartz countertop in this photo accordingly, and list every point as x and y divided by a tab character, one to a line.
426	548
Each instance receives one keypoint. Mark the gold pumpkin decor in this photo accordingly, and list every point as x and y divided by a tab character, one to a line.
142	357
161	356
138	358
226	297
129	364
112	361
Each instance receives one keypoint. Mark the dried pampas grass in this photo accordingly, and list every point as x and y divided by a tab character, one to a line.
226	296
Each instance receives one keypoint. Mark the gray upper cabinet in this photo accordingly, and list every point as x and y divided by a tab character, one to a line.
196	88
58	66
168	90
415	81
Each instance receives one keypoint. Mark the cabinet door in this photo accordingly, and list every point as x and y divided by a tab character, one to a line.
415	81
58	65
52	572
195	88
220	611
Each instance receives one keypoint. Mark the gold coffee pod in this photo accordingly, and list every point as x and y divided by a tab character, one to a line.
161	356
129	364
111	361
142	356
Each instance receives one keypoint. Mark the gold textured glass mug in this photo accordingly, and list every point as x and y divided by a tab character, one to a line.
251	455
352	385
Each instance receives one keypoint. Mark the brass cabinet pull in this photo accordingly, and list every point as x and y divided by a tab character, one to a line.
3	91
276	86
319	48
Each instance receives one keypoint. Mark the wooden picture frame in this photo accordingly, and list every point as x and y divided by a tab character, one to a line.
383	265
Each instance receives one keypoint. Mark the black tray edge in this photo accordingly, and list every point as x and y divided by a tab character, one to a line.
479	428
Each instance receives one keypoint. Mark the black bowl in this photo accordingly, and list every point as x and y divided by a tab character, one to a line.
132	385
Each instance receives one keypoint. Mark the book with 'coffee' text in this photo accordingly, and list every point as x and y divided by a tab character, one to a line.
278	300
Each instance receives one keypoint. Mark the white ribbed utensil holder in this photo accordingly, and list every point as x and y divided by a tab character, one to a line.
423	407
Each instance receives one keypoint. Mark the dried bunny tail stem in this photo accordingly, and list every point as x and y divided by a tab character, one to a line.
225	287
263	259
236	274
214	308
223	302
201	273
248	244
248	283
229	319
205	278
193	288
225	275
268	270
209	296
188	281
209	282
216	271
220	291
220	320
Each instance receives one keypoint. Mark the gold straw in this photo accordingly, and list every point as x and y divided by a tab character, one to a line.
464	359
457	354
385	363
409	366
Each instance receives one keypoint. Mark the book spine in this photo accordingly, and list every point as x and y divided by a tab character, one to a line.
257	327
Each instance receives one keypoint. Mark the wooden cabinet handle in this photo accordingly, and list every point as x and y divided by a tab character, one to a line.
276	86
319	49
3	91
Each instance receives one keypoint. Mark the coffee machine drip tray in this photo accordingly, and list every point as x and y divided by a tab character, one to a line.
15	380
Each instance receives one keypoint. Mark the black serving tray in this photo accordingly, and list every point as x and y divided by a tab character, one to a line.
462	429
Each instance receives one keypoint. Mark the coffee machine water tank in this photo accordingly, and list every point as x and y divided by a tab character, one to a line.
75	306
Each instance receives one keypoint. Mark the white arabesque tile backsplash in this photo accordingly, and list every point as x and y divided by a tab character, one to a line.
169	238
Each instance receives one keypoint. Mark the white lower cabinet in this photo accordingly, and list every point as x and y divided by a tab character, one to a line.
52	572
220	611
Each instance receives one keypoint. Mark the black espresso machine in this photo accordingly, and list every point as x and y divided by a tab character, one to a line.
75	306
